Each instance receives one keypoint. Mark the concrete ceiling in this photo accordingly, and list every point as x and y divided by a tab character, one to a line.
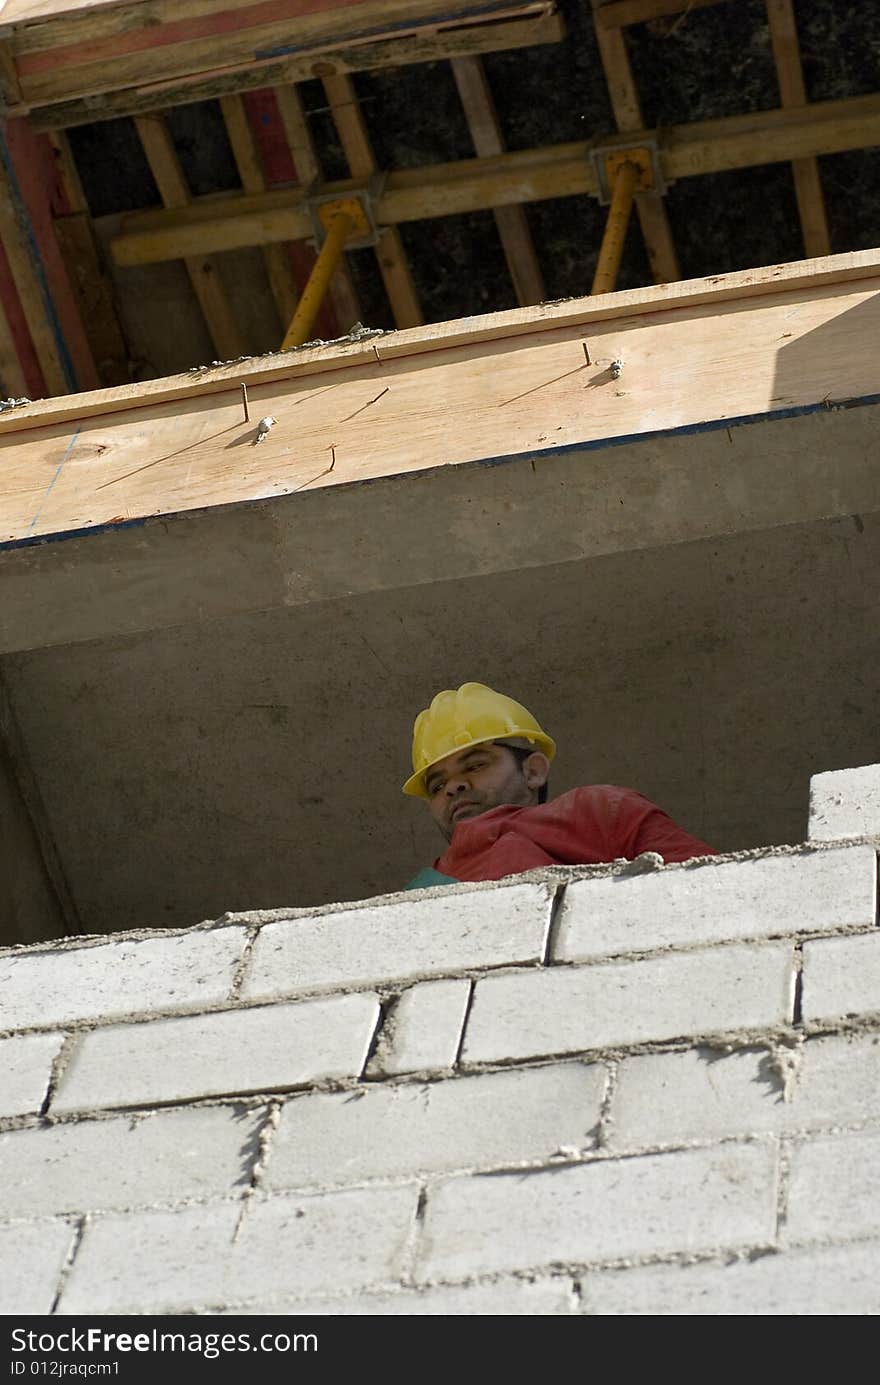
255	759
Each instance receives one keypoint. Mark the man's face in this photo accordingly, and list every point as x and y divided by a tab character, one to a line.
470	782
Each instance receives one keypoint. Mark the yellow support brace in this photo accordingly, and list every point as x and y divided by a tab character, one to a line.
611	249
341	220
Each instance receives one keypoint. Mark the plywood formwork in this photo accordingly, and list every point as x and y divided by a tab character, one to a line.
539	381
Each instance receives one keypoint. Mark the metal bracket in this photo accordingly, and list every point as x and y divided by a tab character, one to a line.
607	159
359	204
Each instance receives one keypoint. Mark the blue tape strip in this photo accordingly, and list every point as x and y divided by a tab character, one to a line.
58	471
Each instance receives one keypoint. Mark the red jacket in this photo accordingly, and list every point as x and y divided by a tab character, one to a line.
600	822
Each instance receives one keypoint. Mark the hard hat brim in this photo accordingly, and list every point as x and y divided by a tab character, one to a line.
415	785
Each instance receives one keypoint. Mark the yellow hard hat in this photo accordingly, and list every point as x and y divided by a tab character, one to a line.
469	715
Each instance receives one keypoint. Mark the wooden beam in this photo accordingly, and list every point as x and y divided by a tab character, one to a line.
513	227
12	378
86	271
91	285
358	149
529	175
38	26
203	270
582	314
617	14
650	208
250	171
98	66
22	374
355	421
792	92
342	294
28	276
401	50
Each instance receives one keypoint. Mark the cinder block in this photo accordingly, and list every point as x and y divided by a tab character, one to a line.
732	900
119	978
573	1009
485	1121
269	1048
32	1256
500	1298
688	1201
841	976
841	1280
88	1166
406	939
154	1262
845	803
833	1187
423	1030
25	1068
671	1098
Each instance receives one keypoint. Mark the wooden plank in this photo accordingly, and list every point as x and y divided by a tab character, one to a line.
57	25
85	267
686	366
21	368
650	208
12	378
250	170
513	228
792	92
203	270
617	14
67	171
180	48
358	149
10	87
400	50
28	277
79	247
43	196
342	293
528	175
581	314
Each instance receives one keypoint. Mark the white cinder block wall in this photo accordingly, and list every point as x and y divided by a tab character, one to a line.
620	1090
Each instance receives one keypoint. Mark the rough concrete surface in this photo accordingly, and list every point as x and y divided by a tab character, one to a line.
569	1009
286	1245
722	1197
25	1069
422	1032
845	803
842	976
739	900
180	972
262	1049
487	1121
377	943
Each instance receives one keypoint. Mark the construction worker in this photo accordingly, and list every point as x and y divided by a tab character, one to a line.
482	763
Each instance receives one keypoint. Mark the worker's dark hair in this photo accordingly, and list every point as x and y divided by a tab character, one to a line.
521	756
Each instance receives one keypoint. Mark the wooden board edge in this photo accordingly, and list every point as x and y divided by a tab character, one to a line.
461	332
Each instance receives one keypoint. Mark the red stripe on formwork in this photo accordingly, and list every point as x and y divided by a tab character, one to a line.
177	31
35	385
278	167
42	191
